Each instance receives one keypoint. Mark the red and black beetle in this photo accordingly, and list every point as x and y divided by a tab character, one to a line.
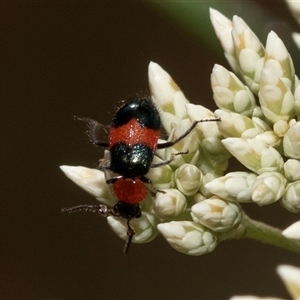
132	142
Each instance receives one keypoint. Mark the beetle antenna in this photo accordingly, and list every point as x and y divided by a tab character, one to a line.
100	209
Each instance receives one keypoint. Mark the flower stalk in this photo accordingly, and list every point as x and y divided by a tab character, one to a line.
262	232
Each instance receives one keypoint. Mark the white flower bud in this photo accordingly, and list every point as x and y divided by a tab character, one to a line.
275	97
230	94
292	122
278	59
254	154
259	123
190	143
269	138
236	125
216	151
292	169
168	96
257	113
294	6
293	231
170	204
291	141
280	127
291	197
162	177
207	177
233	186
91	180
188	237
188	179
268	188
207	132
144	227
291	277
216	167
223	28
198	197
216	214
249	51
203	129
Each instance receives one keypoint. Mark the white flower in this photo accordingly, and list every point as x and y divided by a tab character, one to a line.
169	204
230	94
206	179
168	95
291	277
249	52
278	59
270	138
291	169
189	144
293	231
233	186
291	197
216	214
275	97
144	227
162	176
214	155
223	28
294	6
255	155
188	237
91	180
291	141
188	179
236	125
268	188
280	127
203	129
257	120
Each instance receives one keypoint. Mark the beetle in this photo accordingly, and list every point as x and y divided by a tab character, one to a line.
132	142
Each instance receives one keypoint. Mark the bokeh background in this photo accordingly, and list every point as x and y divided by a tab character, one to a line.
81	57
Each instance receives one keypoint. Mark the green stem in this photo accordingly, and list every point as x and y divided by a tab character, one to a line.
259	231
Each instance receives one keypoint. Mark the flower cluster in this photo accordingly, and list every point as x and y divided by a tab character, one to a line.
196	205
259	134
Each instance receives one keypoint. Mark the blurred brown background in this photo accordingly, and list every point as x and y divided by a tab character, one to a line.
64	58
